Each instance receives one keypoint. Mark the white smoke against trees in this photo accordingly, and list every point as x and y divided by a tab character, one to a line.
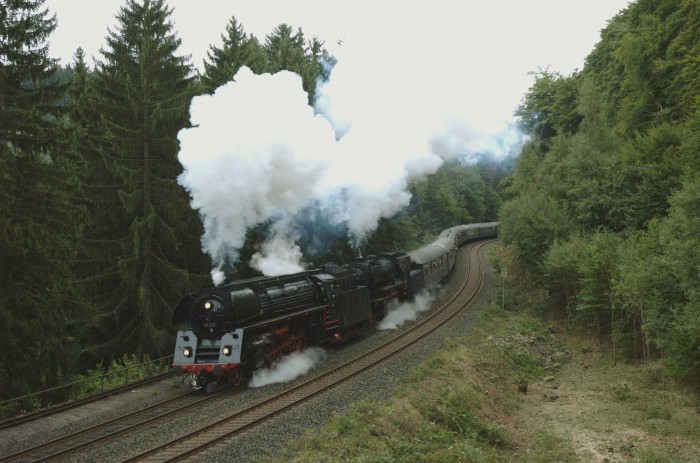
256	151
395	108
280	255
289	367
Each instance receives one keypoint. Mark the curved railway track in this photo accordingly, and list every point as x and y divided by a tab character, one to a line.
242	420
247	418
80	440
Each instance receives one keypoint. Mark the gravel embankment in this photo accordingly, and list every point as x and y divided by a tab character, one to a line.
271	438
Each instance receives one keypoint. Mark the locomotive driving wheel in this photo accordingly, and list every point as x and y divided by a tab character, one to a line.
236	377
271	357
202	379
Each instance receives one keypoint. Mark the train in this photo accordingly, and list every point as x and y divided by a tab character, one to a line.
229	331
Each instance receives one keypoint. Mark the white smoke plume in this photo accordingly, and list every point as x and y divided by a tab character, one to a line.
290	367
395	108
406	311
280	255
256	151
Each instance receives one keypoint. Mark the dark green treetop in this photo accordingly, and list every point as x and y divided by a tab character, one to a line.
288	50
238	49
142	94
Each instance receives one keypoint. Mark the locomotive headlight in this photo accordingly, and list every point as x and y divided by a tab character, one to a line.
227	350
207	305
187	352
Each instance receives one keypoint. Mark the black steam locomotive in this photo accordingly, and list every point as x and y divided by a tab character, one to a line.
241	326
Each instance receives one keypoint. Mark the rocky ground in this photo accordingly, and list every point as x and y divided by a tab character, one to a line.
608	410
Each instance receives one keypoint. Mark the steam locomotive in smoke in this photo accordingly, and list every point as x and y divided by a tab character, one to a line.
244	325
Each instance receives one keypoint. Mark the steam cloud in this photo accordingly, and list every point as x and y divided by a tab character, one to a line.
407	311
280	255
258	153
289	368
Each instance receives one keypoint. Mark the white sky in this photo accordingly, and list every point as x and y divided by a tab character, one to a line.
514	36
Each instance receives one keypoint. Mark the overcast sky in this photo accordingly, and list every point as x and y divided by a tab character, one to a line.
504	38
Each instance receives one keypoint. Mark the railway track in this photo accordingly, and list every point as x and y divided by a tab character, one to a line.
248	418
62	407
109	430
245	419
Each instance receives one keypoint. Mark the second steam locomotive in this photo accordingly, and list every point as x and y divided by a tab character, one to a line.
241	326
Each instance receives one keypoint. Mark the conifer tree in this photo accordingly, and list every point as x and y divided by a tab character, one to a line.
104	223
239	49
37	226
142	92
287	50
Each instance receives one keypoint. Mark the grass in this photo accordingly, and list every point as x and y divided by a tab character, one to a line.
454	407
521	389
463	405
546	446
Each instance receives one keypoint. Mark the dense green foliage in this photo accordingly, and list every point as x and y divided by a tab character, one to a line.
605	199
97	239
38	309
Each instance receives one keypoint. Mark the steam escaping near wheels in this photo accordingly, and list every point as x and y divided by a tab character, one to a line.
400	313
297	364
289	368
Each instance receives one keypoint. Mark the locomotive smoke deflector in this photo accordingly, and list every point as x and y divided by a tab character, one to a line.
181	313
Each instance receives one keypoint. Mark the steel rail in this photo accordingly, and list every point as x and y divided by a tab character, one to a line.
108	430
64	406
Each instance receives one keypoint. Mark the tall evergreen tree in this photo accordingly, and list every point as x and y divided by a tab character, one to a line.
142	92
104	223
318	65
37	231
238	49
288	50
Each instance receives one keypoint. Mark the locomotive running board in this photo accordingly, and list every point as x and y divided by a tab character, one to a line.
282	318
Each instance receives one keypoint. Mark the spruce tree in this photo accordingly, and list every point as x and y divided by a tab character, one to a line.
104	222
238	50
37	224
287	50
142	92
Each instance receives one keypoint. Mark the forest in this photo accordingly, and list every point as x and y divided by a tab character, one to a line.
98	241
603	210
